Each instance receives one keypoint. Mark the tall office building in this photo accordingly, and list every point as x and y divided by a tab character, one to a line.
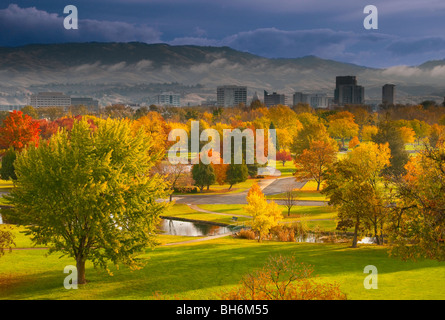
273	99
50	99
347	91
388	94
168	99
315	100
230	96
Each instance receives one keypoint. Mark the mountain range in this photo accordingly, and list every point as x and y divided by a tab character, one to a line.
134	72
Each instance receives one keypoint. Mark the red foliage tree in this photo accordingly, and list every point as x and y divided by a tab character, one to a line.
283	156
18	131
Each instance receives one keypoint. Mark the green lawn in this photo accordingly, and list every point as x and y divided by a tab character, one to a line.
185	212
297	213
287	170
224	189
200	270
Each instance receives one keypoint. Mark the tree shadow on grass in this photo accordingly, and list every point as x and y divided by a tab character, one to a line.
203	267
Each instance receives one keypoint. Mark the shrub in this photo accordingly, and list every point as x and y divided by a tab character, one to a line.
247	234
282	278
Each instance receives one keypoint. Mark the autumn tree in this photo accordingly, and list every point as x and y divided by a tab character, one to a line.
368	131
343	128
283	156
265	215
18	130
175	175
313	130
154	126
354	187
417	228
354	142
88	194
407	134
290	198
6	240
313	162
389	133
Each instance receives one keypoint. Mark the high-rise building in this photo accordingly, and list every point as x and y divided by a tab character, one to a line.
50	99
315	100
347	91
168	99
388	94
230	96
273	99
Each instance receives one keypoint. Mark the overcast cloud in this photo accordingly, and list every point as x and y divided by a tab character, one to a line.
410	32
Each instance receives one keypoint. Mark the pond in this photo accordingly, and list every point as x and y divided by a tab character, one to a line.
192	229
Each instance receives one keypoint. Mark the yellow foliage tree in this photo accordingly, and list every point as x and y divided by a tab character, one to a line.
408	134
264	215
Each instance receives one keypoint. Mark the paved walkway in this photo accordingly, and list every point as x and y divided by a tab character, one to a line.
268	186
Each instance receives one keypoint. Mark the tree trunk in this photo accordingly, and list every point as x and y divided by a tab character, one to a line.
354	240
80	264
318	185
376	232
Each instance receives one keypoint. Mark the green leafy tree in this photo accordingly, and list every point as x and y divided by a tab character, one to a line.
88	194
204	175
7	171
236	173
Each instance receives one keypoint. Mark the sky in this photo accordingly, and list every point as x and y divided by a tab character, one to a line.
409	32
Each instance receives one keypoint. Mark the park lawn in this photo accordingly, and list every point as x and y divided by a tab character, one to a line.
23	241
297	212
306	193
287	170
220	264
185	212
223	189
323	218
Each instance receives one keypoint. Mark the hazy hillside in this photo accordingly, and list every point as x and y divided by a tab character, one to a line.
132	72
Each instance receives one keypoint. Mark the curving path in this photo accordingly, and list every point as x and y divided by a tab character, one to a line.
269	187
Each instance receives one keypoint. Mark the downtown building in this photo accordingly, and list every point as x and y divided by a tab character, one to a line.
388	94
315	100
347	91
231	96
273	99
50	99
169	99
58	99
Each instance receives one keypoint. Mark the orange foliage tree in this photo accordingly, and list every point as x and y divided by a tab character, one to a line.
18	131
313	162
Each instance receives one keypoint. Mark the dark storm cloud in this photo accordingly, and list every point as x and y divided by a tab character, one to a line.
410	31
20	26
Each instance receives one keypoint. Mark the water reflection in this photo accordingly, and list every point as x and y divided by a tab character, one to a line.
191	229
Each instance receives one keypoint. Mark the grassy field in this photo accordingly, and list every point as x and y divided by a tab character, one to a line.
298	213
307	193
220	264
185	212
